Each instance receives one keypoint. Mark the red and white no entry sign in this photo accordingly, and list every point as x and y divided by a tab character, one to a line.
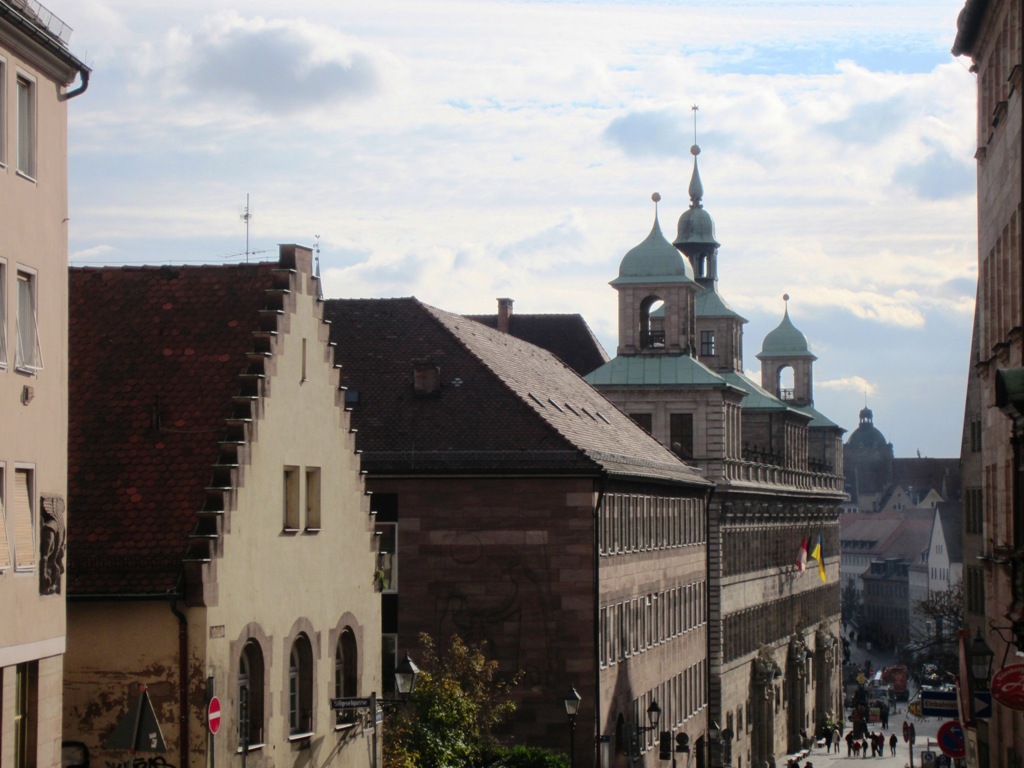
213	714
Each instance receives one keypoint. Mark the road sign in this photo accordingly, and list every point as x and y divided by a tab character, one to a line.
982	704
213	715
935	703
350	702
951	739
138	730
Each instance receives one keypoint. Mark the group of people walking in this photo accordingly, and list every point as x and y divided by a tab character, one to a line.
859	747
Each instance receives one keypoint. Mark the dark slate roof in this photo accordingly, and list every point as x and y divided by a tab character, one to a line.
156	355
951	514
566	336
941	475
504	405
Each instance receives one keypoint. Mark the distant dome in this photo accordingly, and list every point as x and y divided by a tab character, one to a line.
785	341
654	261
866	436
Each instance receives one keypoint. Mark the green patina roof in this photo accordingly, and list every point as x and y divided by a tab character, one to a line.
696	227
757	397
785	341
818	419
654	261
654	371
711	304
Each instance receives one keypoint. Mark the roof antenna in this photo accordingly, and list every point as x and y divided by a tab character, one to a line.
316	270
246	217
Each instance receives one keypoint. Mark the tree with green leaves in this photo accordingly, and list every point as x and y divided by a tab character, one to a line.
449	718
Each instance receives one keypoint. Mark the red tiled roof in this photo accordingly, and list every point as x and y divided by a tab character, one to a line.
155	358
566	336
503	404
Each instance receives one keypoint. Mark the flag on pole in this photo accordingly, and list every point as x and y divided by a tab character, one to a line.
816	554
801	559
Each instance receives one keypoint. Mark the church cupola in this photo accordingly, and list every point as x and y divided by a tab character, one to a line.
656	290
695	235
787	362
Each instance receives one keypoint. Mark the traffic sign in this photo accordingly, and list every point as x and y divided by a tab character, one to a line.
936	703
951	739
982	704
350	702
213	715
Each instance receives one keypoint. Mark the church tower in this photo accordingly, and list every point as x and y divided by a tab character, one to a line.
719	328
656	298
785	348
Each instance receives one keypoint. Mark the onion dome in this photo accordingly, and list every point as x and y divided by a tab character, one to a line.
867	435
696	230
654	260
786	340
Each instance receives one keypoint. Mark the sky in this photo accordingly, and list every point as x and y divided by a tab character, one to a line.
464	150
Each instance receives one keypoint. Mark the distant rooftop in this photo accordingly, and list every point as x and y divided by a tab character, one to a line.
44	16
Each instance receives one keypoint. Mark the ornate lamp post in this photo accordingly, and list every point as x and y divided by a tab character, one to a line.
981	662
405	677
572	706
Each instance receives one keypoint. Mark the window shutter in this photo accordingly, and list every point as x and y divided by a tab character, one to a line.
24	522
5	547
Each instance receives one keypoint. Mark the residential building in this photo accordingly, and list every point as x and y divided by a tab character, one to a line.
990	32
36	70
773	632
522	510
222	543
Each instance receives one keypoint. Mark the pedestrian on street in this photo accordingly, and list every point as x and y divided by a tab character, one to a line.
849	743
893	741
856	749
835	739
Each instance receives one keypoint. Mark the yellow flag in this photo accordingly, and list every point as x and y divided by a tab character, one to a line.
816	554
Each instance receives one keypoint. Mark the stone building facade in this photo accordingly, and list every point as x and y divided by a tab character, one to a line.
36	70
526	512
990	32
777	464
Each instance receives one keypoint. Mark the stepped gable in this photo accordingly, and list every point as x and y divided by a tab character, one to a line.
566	336
163	366
502	404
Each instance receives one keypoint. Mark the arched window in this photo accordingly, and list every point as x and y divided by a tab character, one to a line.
652	323
250	696
786	387
346	683
300	687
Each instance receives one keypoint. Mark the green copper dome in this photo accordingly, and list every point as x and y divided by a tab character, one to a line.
696	230
785	341
654	261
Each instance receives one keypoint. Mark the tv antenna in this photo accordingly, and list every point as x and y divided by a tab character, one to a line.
246	217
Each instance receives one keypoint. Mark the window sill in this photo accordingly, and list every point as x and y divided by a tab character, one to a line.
313	530
28	370
301	736
344	726
290	530
252	748
25	176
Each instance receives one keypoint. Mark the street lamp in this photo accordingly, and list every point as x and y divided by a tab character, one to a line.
572	706
981	662
405	677
653	716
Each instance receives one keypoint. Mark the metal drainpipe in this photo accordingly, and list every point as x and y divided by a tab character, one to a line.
597	619
83	73
183	718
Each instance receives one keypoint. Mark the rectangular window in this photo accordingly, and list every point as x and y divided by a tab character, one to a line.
24	520
388	660
26	682
312	498
707	343
387	557
5	546
681	434
29	356
291	498
3	112
643	420
3	273
26	126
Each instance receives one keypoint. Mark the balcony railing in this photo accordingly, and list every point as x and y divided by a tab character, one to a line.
744	471
39	12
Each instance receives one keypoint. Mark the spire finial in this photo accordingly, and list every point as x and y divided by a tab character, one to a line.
695	150
785	298
656	197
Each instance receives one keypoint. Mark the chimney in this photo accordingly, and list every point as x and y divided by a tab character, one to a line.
504	314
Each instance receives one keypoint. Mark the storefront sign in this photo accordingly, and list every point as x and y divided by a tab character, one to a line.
1008	686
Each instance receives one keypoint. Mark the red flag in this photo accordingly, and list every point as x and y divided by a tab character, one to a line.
801	560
